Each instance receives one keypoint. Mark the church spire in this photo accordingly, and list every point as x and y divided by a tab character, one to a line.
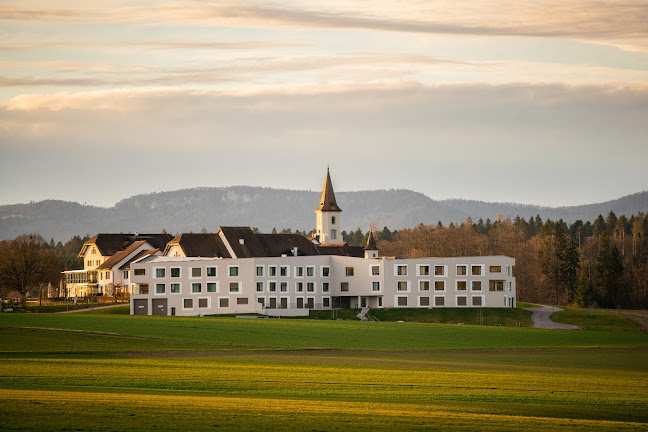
371	243
327	202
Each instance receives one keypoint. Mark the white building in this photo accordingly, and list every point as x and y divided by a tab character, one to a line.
238	271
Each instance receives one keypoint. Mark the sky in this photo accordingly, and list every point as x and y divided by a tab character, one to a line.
529	101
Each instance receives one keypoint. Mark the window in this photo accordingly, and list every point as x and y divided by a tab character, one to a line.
283	286
223	302
424	285
160	288
203	303
375	286
272	286
310	287
325	271
283	271
477	301
496	285
93	251
439	270
424	270
402	285
439	301
326	302
401	301
325	287
310	303
211	287
299	271
401	270
439	285
175	288
272	270
160	272
424	301
233	271
107	275
299	286
461	270
349	271
310	271
211	271
476	270
495	269
175	272
333	234
300	303
89	263
259	271
259	286
461	301
344	286
241	300
283	303
332	220
125	274
461	285
196	272
476	285
234	287
187	303
375	270
196	287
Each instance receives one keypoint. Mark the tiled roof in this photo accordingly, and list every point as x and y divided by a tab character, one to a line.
242	241
110	244
121	255
276	245
327	201
126	265
207	245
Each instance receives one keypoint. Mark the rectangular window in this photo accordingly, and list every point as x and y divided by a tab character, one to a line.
259	286
283	286
175	272
187	303
125	274
196	287
211	286
310	271
310	303
233	271
234	287
495	269
259	271
107	275
424	270
461	270
89	263
175	288
476	270
283	271
299	287
375	286
160	272
325	271
196	272
349	271
211	271
439	270
140	272
202	303
424	285
344	286
401	301
375	270
461	285
272	286
223	302
283	303
402	285
476	285
424	301
401	270
477	301
439	301
241	300
310	287
326	302
299	271
325	287
160	288
300	303
461	301
272	270
495	285
439	285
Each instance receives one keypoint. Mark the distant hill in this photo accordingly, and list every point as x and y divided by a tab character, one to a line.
266	208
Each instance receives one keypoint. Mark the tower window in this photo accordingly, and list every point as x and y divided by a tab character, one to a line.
333	234
333	220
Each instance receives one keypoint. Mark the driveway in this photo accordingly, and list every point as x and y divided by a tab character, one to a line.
542	318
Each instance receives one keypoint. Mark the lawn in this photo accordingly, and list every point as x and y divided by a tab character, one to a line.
596	320
119	373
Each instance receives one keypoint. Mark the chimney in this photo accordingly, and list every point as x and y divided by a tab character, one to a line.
294	251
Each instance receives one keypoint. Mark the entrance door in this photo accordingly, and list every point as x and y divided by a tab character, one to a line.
159	307
363	302
172	311
140	307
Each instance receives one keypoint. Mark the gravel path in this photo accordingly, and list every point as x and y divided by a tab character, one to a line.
542	318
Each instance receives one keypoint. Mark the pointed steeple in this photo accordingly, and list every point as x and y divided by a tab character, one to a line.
327	202
371	243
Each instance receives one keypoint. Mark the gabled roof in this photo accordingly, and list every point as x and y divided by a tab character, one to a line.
242	242
327	201
341	249
121	255
207	245
126	265
276	245
110	244
371	242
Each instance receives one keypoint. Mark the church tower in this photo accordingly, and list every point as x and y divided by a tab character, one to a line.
328	228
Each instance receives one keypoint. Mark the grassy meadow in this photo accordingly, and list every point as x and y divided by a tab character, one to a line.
110	372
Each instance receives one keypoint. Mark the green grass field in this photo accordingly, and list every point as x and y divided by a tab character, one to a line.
595	320
111	372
